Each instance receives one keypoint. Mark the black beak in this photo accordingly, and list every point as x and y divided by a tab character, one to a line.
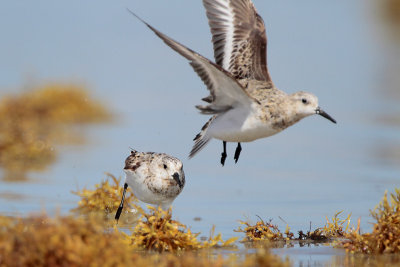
319	111
176	178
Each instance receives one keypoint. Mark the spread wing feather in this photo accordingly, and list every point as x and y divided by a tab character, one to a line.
226	92
239	38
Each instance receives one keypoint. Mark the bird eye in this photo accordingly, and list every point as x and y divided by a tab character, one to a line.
165	166
304	101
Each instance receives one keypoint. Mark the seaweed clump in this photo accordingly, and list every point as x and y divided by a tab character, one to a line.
385	236
391	12
32	123
338	228
158	232
105	198
153	230
263	231
334	228
63	241
70	241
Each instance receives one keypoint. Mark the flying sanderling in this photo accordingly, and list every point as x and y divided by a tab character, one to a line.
243	100
155	178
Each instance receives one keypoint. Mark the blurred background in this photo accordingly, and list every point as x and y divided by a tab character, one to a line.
132	91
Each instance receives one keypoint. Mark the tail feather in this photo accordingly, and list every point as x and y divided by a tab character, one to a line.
199	145
201	139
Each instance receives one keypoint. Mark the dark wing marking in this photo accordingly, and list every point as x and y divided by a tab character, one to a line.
239	38
201	139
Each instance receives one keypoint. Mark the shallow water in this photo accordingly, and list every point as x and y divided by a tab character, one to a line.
341	51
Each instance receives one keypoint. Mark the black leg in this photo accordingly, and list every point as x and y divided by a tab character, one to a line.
121	205
223	154
237	152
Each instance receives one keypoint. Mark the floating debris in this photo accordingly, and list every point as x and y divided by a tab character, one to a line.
385	236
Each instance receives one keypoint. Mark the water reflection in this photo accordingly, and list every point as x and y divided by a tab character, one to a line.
11	196
33	123
365	260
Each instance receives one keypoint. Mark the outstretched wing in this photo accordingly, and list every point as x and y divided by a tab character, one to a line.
239	38
225	90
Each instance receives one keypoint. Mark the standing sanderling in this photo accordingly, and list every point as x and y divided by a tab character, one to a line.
243	100
155	178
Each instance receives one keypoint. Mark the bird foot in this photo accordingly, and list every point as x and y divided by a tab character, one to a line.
237	152
223	158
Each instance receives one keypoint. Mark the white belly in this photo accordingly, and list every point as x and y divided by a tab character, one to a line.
153	191
240	127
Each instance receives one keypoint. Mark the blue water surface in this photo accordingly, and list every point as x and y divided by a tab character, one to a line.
338	50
